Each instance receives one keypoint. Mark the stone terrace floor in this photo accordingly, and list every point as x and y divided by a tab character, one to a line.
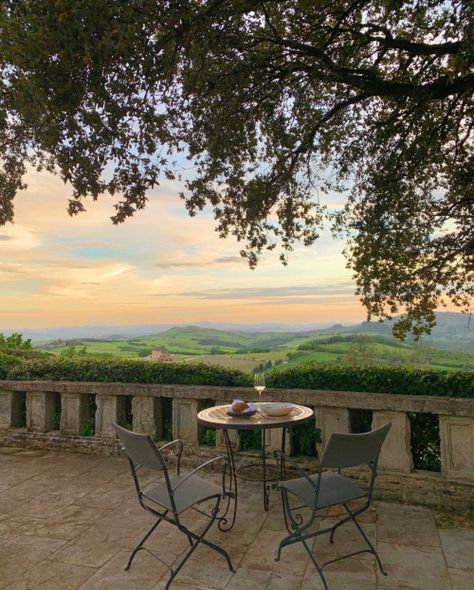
69	521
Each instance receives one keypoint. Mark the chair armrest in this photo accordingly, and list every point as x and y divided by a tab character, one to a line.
283	457
179	443
198	469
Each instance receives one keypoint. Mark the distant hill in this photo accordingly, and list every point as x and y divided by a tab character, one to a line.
112	332
453	331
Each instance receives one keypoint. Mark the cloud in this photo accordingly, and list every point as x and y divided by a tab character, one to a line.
160	264
314	300
200	263
226	259
11	268
272	292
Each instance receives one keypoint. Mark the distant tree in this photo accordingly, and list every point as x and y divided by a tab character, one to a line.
70	351
273	102
15	341
361	352
421	357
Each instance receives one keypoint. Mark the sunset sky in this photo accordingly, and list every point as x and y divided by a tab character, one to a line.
159	267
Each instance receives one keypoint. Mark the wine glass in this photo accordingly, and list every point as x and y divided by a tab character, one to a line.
259	383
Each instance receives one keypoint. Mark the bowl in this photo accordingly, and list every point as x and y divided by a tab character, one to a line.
276	408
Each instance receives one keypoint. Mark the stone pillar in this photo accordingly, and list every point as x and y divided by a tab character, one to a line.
185	424
457	447
233	434
273	440
39	411
330	420
148	416
6	408
110	408
73	412
396	450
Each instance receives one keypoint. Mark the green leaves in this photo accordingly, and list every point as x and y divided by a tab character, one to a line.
311	376
273	106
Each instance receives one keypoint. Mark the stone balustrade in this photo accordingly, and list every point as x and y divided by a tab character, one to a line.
52	414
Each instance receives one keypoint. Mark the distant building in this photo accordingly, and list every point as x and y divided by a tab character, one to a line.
159	355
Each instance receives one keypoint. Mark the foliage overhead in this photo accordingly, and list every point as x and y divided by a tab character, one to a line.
273	102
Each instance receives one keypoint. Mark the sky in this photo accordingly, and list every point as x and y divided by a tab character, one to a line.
161	266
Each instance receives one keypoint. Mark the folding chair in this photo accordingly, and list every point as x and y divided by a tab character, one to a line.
330	488
169	498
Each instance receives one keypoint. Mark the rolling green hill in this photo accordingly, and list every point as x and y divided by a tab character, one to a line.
248	350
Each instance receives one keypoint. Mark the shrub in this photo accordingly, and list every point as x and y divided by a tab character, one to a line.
374	379
7	362
128	371
309	376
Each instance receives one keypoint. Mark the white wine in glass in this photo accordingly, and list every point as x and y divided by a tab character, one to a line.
259	383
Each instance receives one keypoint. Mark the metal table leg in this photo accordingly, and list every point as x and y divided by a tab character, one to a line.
283	473
230	495
266	487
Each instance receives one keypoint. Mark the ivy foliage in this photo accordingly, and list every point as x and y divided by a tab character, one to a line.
274	103
311	376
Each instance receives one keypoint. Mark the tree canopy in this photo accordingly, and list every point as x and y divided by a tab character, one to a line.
275	103
14	342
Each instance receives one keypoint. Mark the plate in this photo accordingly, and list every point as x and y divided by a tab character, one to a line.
244	414
250	411
276	408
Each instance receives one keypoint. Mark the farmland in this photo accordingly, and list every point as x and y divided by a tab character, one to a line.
249	351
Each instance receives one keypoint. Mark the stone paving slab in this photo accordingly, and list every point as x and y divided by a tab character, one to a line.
69	522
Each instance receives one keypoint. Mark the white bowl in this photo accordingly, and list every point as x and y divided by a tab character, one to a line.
276	408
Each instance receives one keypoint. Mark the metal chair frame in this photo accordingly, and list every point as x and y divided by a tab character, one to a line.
296	527
173	516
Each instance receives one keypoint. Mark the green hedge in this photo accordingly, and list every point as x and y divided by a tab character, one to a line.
309	376
375	380
11	357
127	371
7	362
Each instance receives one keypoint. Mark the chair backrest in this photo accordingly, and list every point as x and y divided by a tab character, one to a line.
350	450
140	448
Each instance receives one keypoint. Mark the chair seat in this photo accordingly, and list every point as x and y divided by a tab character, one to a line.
193	491
335	488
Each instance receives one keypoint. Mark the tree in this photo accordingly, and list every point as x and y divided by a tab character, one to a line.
361	352
15	342
273	102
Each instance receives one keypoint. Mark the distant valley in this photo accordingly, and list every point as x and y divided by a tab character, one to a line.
450	347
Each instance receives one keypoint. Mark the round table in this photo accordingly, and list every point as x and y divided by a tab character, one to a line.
217	417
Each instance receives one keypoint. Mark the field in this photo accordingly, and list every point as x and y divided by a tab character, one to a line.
252	351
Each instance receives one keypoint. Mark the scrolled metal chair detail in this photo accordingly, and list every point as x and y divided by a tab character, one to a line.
327	488
171	496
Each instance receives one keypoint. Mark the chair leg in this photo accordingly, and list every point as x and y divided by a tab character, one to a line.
298	538
199	539
315	563
337	525
140	544
372	548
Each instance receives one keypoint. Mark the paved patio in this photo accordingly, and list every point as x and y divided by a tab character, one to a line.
69	521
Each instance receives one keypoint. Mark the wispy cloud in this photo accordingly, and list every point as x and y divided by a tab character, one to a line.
196	263
272	292
159	266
